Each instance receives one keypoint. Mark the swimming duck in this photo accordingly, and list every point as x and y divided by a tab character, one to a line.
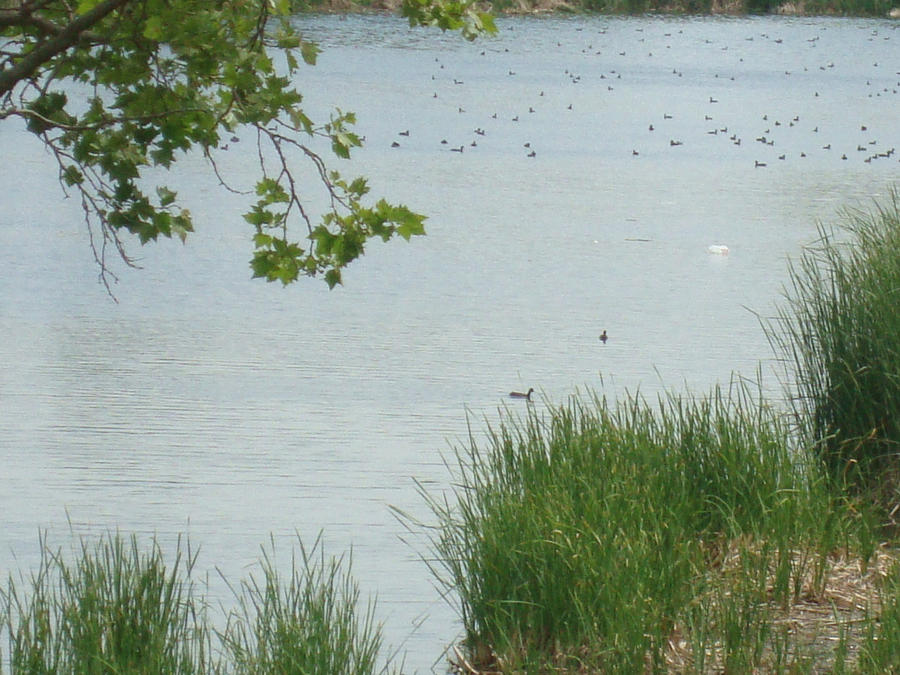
519	394
603	336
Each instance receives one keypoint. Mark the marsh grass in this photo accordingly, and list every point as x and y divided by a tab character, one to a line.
307	623
630	537
839	335
115	607
701	534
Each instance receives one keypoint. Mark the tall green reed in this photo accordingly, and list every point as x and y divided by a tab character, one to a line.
307	623
578	538
880	651
839	336
114	608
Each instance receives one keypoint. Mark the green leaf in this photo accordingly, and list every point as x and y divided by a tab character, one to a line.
410	224
487	23
153	28
72	176
300	120
324	240
85	6
182	225
333	277
291	61
261	265
309	51
340	146
359	187
166	196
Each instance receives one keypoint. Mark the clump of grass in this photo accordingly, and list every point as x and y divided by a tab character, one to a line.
308	623
880	651
115	608
840	338
585	540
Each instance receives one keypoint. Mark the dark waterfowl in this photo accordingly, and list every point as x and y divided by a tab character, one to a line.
603	336
519	394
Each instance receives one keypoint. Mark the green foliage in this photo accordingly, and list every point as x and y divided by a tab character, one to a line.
459	15
759	6
307	624
119	88
850	7
582	541
840	336
113	608
881	650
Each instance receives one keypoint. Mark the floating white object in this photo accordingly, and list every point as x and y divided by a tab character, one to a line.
717	249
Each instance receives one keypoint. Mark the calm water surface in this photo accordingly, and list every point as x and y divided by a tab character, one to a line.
230	410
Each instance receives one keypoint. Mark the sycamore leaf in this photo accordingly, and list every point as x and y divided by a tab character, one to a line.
358	187
261	265
72	176
291	61
85	6
153	27
309	51
340	145
487	23
409	224
324	240
333	277
166	196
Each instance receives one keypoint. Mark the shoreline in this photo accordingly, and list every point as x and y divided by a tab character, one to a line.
617	8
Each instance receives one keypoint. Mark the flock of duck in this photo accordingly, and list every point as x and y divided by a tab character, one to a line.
608	70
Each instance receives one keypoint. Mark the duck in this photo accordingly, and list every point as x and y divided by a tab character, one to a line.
603	336
519	394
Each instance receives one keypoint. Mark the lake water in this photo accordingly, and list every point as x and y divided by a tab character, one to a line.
231	410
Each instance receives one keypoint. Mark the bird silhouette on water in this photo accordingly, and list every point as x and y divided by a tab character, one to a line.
519	394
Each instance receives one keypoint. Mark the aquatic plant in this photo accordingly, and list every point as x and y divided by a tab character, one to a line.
614	538
308	623
113	607
839	336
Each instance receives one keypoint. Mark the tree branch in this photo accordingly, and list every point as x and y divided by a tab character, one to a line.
63	40
24	19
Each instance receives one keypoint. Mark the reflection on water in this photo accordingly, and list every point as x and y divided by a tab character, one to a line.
228	409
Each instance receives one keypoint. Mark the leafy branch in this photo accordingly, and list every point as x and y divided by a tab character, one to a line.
114	88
